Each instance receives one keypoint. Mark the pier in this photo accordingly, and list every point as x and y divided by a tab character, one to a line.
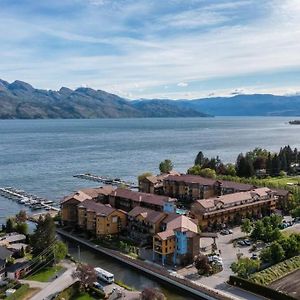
32	201
106	180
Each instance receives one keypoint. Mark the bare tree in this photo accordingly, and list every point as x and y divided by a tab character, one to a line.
152	294
86	275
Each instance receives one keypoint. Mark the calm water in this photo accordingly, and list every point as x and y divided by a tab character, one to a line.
41	156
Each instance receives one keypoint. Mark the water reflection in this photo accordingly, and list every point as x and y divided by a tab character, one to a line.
122	272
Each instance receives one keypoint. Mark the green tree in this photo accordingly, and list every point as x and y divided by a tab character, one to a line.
275	220
244	267
258	231
44	235
166	166
195	170
296	212
10	225
60	251
246	226
22	228
277	252
199	160
230	170
208	173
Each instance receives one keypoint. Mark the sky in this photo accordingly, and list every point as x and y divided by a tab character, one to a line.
175	49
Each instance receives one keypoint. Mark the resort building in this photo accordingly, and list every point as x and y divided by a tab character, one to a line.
143	223
126	199
179	243
232	208
193	187
153	184
100	219
69	203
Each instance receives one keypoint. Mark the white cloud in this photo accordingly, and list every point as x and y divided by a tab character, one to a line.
182	84
143	61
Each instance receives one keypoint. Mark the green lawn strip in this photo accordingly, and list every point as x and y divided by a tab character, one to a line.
82	296
123	285
45	274
20	293
268	275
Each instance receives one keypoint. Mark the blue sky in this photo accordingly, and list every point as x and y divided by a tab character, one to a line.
153	48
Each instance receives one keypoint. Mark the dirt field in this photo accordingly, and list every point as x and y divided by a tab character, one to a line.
289	284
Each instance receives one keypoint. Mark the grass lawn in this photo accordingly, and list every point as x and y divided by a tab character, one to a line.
45	274
23	293
83	296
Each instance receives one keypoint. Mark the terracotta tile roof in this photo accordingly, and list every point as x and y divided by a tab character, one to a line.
170	217
141	197
150	215
233	198
166	234
182	222
186	178
236	185
89	193
98	208
281	192
191	179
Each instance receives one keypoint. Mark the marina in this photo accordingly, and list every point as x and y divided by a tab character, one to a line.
107	180
32	201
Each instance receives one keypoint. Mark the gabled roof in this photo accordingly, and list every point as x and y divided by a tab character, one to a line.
234	198
89	193
191	179
182	222
141	197
98	208
149	215
4	253
165	234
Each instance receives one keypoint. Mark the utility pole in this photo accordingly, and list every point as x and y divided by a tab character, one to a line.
78	252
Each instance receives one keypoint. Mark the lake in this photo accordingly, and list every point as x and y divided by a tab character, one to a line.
41	156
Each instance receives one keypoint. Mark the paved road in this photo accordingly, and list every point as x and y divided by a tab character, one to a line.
229	255
59	284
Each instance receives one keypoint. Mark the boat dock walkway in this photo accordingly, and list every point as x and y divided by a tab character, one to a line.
107	180
32	201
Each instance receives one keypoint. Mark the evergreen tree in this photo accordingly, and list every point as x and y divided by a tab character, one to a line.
44	235
199	160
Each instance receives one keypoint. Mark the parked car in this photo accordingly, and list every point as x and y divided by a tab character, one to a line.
247	242
241	243
98	286
254	256
224	232
230	231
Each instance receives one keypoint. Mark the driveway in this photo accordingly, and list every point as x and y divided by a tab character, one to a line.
55	286
229	255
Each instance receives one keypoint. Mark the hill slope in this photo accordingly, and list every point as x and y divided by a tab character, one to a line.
19	100
247	105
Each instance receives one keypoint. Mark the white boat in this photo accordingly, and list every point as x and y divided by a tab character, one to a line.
104	275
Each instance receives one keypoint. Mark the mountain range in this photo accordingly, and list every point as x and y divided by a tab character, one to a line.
19	100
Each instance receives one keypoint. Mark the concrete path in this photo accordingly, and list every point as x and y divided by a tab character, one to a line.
55	286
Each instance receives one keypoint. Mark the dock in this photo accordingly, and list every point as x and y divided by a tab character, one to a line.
106	180
32	201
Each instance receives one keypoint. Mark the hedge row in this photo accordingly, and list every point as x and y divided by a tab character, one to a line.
267	276
258	289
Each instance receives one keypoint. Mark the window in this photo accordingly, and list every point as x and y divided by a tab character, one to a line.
114	219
